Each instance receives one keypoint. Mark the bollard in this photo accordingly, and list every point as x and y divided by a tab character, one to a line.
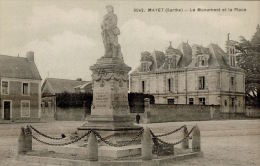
185	143
28	139
21	142
196	139
146	144
92	147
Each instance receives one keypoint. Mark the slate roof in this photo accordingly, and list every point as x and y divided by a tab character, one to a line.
217	57
186	51
56	85
18	67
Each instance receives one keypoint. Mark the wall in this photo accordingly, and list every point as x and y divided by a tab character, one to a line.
170	113
70	114
15	95
253	112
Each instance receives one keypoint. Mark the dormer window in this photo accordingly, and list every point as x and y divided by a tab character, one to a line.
145	66
202	61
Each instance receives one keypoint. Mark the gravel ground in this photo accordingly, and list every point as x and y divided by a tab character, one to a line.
229	142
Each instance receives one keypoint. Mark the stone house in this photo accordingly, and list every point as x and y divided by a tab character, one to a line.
192	75
20	92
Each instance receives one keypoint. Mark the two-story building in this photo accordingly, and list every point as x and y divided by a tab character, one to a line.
20	88
192	75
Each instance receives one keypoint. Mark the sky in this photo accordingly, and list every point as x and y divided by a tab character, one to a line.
65	35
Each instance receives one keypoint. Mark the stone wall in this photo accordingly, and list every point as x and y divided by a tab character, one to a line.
15	97
70	114
252	112
157	113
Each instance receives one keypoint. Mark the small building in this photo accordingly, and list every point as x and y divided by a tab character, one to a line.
54	86
192	75
20	93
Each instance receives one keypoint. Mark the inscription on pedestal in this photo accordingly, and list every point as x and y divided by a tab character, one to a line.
101	99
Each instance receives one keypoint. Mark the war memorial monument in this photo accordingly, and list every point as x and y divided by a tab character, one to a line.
109	135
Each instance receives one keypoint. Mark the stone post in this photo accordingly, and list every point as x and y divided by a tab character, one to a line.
185	143
146	114
92	148
28	139
21	142
146	104
196	139
146	144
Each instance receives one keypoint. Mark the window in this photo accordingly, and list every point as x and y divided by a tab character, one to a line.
144	66
5	87
191	101
202	101
169	85
202	62
232	102
232	80
143	86
25	89
25	108
201	82
170	101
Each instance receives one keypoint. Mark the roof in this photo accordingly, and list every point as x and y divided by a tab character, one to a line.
186	51
188	55
217	57
56	85
18	67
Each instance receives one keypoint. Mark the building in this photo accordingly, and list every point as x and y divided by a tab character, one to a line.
192	75
53	86
20	94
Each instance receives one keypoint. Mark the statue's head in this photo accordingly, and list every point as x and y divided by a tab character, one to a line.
110	8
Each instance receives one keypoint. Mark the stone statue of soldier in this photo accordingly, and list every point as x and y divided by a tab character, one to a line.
110	31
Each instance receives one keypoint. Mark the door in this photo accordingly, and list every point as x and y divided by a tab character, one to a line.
7	110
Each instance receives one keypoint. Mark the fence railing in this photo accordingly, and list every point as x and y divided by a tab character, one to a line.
151	143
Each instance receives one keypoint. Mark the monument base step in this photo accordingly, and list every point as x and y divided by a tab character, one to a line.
119	152
104	151
63	160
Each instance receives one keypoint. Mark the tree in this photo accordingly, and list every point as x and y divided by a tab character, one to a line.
249	60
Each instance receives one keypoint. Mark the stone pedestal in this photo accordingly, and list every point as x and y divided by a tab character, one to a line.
110	112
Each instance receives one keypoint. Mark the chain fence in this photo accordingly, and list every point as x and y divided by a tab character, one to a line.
46	136
62	144
131	141
171	132
175	143
106	139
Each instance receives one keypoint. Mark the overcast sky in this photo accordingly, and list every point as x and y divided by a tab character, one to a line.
66	35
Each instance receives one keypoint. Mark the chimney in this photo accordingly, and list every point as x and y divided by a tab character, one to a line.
228	36
30	56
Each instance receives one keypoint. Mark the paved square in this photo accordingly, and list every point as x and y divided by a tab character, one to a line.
230	142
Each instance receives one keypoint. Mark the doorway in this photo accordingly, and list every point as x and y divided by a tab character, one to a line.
7	110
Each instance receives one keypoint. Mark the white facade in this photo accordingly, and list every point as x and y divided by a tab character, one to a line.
201	76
